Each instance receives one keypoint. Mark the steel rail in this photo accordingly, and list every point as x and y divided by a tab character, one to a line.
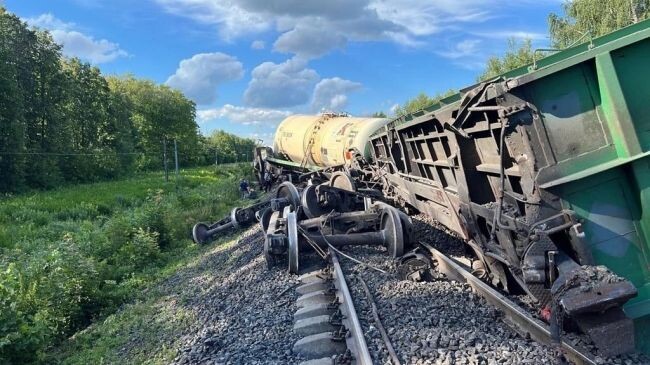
516	316
356	342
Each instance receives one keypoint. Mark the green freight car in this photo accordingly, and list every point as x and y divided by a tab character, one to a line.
545	172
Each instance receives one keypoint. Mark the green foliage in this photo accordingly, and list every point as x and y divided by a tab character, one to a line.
584	18
421	102
581	20
74	255
380	114
158	113
62	121
518	54
227	148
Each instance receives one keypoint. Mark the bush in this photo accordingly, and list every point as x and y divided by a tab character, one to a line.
64	264
45	297
141	251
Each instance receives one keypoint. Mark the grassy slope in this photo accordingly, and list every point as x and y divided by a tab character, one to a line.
146	331
73	256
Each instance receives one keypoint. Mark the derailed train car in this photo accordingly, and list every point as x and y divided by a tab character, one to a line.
541	170
304	143
544	172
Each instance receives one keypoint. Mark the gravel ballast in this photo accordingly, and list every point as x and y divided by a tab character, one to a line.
438	322
244	310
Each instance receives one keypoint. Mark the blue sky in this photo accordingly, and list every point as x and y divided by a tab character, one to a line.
250	63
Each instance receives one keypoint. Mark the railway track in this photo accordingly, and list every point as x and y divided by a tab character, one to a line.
249	315
332	330
515	316
328	320
335	316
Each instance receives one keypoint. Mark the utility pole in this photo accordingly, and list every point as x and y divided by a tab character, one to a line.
176	158
216	158
165	159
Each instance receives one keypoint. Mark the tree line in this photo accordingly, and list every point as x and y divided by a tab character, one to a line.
579	20
62	121
223	147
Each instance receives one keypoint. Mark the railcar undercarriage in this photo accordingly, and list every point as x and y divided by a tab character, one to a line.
543	173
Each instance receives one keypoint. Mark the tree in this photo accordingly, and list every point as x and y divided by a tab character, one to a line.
580	19
13	38
62	121
584	18
518	54
88	124
379	114
420	102
159	114
228	147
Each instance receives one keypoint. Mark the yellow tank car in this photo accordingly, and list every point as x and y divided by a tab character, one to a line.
323	140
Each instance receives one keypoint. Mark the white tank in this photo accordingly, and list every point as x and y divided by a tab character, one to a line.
322	140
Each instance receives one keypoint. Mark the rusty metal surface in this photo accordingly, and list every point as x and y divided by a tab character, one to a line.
517	316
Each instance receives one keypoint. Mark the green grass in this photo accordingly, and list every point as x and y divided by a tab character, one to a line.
69	258
146	331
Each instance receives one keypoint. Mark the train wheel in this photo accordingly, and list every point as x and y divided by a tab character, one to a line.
268	255
270	258
233	218
310	204
288	191
292	235
265	218
391	225
342	181
199	233
414	266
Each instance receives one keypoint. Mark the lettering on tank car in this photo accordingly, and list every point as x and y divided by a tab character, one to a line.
287	134
343	129
351	137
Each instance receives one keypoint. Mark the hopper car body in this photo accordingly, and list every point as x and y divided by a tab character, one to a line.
544	172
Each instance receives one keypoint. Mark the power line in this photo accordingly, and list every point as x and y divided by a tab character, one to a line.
72	154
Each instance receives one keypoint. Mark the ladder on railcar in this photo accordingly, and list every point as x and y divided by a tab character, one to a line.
312	139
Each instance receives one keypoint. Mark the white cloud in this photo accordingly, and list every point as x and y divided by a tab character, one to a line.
75	43
258	45
198	77
309	41
313	28
232	20
331	94
463	49
49	21
280	85
517	34
243	115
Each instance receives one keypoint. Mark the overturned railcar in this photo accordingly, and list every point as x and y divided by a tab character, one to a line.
541	171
